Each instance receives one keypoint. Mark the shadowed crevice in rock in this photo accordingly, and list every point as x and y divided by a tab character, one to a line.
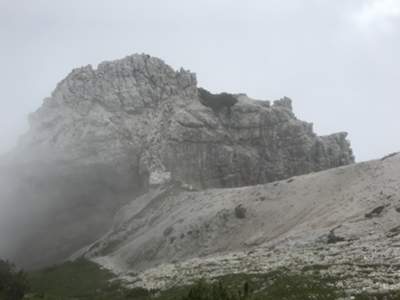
376	212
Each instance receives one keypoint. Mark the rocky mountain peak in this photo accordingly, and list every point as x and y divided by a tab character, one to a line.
132	83
111	133
284	102
142	117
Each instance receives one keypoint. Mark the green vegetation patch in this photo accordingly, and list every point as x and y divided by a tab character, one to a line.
278	285
80	279
83	279
13	282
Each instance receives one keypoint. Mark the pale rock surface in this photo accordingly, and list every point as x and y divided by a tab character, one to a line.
345	221
143	118
107	134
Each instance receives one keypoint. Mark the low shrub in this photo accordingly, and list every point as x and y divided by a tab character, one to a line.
13	282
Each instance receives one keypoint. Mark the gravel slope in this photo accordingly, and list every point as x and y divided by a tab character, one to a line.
346	219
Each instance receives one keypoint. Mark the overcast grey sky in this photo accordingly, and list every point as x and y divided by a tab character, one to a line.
337	59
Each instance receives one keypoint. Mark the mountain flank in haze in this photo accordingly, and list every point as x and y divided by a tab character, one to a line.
110	134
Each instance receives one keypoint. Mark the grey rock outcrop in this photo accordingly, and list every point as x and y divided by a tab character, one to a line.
148	121
106	134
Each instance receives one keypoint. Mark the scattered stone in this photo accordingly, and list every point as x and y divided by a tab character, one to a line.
240	212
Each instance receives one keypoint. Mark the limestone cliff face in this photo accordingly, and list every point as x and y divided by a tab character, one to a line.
147	121
106	135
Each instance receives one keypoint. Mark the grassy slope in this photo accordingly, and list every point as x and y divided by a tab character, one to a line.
82	280
74	280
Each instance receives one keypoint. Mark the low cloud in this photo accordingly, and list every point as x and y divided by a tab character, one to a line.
378	14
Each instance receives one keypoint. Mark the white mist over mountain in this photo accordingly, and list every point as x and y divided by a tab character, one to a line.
336	59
